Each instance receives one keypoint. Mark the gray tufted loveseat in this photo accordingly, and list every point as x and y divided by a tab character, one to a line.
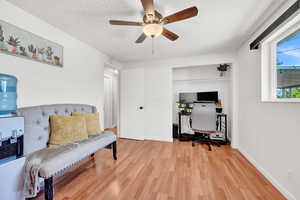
36	135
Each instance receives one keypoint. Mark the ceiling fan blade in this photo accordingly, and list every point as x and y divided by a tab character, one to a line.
148	6
170	35
181	15
141	38
158	15
125	23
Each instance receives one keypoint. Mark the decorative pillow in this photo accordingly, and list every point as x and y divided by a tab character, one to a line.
92	123
66	129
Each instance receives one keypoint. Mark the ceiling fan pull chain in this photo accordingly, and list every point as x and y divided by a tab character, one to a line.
153	46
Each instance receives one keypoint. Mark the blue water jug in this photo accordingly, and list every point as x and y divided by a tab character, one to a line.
8	94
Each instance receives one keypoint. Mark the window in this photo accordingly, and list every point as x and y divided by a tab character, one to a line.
288	66
281	64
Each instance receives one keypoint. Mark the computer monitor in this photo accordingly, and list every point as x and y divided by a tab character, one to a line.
208	96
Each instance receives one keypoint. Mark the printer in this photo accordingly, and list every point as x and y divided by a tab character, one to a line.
11	137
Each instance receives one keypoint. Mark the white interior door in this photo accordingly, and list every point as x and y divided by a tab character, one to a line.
132	104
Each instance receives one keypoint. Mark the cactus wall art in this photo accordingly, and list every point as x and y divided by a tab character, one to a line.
18	42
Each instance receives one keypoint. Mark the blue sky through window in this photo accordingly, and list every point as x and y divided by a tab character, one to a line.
288	50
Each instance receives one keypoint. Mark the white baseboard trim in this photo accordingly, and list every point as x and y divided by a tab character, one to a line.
274	182
159	140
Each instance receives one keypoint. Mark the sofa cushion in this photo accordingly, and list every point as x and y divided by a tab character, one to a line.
70	155
66	129
92	122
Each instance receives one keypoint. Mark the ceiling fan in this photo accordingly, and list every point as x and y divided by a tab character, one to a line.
153	22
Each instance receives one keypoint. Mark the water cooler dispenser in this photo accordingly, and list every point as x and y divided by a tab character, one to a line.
8	95
12	161
11	126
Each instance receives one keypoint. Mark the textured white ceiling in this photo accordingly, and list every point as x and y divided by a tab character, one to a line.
220	26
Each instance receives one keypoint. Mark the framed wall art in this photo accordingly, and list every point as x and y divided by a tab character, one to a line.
18	42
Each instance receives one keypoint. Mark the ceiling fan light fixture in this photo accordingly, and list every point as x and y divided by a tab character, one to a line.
153	30
153	22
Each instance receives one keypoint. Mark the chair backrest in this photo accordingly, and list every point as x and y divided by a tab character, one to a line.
204	117
37	128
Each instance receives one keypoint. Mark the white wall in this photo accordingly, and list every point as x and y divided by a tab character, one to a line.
159	89
202	79
268	132
79	81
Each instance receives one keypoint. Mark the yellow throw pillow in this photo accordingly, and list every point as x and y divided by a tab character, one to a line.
92	123
66	129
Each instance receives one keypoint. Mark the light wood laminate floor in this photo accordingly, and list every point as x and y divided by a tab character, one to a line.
149	170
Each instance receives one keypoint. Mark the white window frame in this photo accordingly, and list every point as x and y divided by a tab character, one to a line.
269	61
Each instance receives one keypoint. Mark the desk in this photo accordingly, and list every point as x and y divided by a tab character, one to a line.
221	124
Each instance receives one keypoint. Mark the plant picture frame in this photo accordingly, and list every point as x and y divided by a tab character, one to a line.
21	43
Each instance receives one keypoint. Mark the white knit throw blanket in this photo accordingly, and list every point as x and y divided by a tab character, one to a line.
35	161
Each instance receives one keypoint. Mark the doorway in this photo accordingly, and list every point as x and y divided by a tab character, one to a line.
111	98
192	84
